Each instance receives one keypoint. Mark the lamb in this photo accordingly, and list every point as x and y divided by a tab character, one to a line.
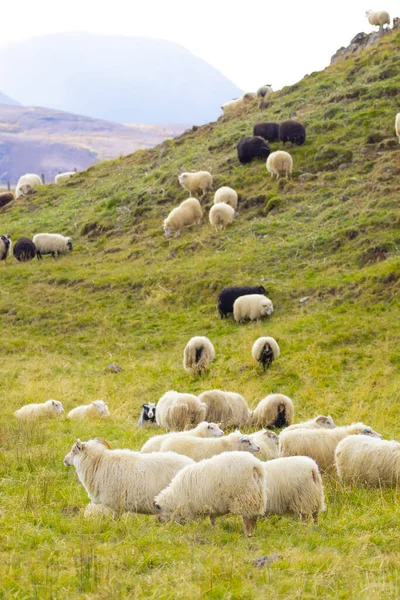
51	408
397	126
200	448
227	297
227	408
148	414
61	177
199	180
320	421
378	17
197	355
221	215
268	443
203	430
268	131
362	459
231	483
252	307
319	444
98	409
252	147
294	485
27	184
275	410
227	195
189	212
293	132
123	480
24	249
177	411
265	350
6	198
51	243
280	163
5	246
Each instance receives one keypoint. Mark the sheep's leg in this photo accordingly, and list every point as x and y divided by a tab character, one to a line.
213	520
53	255
304	517
249	525
315	516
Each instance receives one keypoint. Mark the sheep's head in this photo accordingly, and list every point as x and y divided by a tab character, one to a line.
361	429
267	307
213	430
101	407
326	422
182	178
69	243
75	450
149	411
271	436
26	189
167	229
247	444
56	406
261	290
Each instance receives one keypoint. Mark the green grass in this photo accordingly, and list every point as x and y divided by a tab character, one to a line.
127	295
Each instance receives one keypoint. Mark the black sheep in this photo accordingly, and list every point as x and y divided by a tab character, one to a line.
252	147
24	249
6	198
148	414
292	131
268	131
227	297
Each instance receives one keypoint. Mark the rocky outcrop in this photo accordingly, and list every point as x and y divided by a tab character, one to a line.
364	40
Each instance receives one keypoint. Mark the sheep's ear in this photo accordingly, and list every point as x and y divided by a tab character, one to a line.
53	402
320	418
242	439
104	442
144	405
79	445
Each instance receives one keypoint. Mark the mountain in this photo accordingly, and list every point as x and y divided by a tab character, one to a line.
4	99
123	79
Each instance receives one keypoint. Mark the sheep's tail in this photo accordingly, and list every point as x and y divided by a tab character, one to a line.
280	420
178	417
266	356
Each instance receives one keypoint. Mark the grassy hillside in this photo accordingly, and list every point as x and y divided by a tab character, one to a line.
127	295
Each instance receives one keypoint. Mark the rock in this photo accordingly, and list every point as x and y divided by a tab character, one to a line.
344	166
113	368
267	560
359	38
307	176
344	198
304	300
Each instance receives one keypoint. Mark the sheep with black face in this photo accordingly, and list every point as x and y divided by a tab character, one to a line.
148	414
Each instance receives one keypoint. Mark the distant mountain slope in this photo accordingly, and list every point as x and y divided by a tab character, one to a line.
123	79
4	99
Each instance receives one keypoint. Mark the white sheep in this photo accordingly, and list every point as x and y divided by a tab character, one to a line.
201	448
252	307
265	350
188	213
98	408
221	215
279	163
397	126
50	408
123	480
264	91
268	442
362	459
378	17
227	195
227	408
197	181
275	410
61	177
176	411
234	105
197	355
27	184
51	243
231	483
5	246
320	421
319	444
203	430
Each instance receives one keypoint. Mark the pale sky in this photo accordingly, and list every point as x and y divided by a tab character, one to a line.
251	42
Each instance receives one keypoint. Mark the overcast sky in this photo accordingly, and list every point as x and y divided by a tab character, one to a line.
251	42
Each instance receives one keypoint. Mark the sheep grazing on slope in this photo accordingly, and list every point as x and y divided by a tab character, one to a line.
268	131
189	212
227	408
378	17
293	132
5	246
51	408
319	444
268	442
252	147
227	195
265	350
97	409
148	414
227	297
362	459
197	355
221	215
320	421
200	448
280	163
397	126
27	184
51	243
233	105
123	480
203	430
252	307
61	177
231	483
177	411
264	91
276	410
198	181
24	249
6	198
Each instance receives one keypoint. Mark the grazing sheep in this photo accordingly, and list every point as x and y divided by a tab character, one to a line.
177	411
148	414
397	126
6	198
378	17
203	430
98	408
293	132
189	212
275	410
319	444
51	408
200	180
264	91
362	459
252	307
294	485
231	483
265	350
233	105
221	215
280	163
227	297
268	131
227	195
51	243
197	355
320	421
227	408
24	249
27	184
252	147
200	448
5	246
123	480
268	442
61	177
